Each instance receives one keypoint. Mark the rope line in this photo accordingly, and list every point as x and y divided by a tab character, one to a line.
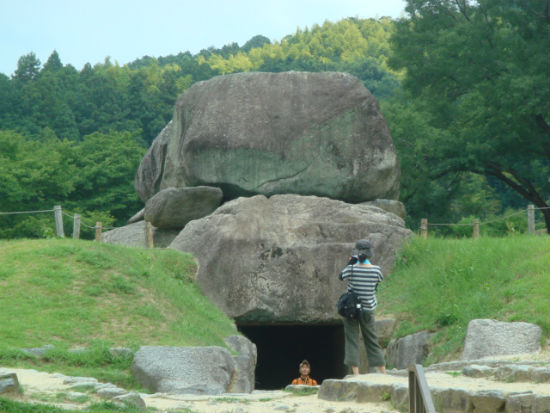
26	212
485	222
87	226
429	223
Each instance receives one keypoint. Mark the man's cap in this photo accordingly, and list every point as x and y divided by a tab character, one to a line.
304	362
363	247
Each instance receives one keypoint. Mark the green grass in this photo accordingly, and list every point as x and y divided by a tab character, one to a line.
16	406
441	284
85	294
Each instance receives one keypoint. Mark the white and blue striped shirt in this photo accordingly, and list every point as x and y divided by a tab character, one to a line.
363	280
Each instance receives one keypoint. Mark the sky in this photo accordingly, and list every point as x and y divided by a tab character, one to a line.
88	31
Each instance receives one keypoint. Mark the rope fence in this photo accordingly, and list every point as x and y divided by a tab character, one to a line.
98	227
26	212
424	224
59	228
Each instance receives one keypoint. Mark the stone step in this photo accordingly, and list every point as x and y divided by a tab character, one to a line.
451	392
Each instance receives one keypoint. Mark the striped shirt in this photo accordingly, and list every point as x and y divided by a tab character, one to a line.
363	281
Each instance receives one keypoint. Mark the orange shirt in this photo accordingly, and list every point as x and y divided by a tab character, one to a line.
308	381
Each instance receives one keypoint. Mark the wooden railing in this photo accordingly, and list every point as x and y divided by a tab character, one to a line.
420	398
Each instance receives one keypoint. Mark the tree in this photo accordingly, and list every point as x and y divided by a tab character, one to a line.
28	67
481	69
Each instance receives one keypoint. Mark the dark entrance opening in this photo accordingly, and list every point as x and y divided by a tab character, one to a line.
282	348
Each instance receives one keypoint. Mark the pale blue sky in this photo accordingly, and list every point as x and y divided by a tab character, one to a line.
90	30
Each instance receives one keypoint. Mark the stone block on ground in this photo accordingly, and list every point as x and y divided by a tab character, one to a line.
486	337
132	400
184	370
245	364
133	235
488	401
9	383
411	349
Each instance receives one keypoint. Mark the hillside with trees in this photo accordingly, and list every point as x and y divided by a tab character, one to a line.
464	90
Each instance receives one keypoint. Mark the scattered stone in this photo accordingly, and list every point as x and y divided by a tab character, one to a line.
110	392
9	383
520	403
84	385
121	352
38	351
399	396
132	399
411	349
369	392
540	374
451	400
488	401
513	373
80	381
77	396
541	404
477	371
492	338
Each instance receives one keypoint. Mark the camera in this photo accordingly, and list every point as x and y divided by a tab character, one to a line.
353	260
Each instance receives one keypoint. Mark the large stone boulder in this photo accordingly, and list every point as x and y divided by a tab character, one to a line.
273	133
486	337
175	207
151	169
184	370
277	259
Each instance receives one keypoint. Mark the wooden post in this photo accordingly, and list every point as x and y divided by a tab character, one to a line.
58	221
149	235
424	227
531	218
98	228
76	226
476	228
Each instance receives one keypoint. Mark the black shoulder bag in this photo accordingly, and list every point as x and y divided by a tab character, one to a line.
349	305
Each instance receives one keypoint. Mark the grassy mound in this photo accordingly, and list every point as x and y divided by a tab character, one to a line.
441	284
85	294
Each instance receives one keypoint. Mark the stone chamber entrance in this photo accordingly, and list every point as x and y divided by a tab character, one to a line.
281	348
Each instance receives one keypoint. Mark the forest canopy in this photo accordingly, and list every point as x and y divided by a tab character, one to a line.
463	86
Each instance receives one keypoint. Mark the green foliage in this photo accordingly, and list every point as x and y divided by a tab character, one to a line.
441	284
92	177
479	72
470	125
